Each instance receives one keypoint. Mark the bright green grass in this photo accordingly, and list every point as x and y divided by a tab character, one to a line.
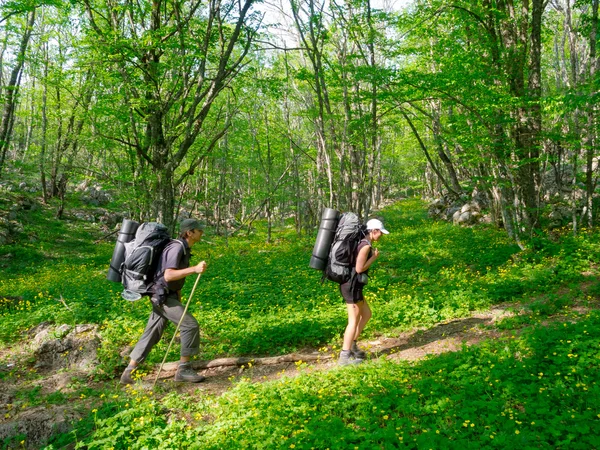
260	299
539	389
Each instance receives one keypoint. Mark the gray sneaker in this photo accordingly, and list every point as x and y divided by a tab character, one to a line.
357	352
346	358
185	373
126	376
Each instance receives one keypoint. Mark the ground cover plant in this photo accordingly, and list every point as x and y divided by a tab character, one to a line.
261	298
538	389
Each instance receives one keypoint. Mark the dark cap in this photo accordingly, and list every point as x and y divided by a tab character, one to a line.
190	224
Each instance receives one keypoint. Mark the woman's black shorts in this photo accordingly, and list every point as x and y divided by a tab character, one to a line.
349	296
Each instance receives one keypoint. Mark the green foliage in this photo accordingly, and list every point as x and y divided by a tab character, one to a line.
539	389
260	298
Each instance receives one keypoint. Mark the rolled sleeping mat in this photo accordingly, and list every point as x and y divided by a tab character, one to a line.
325	236
126	234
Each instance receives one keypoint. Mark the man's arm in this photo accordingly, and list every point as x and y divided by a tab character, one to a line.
178	274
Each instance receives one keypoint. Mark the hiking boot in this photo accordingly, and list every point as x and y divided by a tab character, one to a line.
185	373
346	358
357	352
126	376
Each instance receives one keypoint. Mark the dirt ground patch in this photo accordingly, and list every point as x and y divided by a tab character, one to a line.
410	346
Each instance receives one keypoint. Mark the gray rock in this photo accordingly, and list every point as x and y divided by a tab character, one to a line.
110	219
467	217
16	227
451	211
559	216
464	211
94	195
74	348
41	333
82	187
86	217
39	424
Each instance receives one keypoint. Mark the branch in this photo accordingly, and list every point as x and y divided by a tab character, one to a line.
424	148
180	25
62	300
451	97
106	236
209	149
26	8
301	149
277	47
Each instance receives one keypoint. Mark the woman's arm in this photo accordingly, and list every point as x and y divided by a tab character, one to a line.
362	263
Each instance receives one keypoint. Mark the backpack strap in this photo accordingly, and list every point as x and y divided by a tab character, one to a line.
173	241
364	240
178	241
356	250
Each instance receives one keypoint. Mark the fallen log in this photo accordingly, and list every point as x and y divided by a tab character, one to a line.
170	367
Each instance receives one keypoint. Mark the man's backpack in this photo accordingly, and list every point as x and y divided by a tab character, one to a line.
342	256
142	255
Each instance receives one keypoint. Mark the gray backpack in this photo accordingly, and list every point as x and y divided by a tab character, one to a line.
342	256
142	255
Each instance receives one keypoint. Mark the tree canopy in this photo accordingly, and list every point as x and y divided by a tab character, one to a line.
193	107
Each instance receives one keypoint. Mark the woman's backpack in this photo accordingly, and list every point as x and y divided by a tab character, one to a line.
342	256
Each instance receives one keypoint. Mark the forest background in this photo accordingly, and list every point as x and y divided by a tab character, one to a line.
167	109
185	107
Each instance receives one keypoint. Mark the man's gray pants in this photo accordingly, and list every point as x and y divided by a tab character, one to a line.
170	311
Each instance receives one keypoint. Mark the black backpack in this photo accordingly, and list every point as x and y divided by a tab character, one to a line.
342	256
142	255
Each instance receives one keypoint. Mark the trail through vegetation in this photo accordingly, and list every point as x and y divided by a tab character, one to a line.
467	329
486	329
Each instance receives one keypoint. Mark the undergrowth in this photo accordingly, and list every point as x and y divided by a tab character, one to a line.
259	298
538	389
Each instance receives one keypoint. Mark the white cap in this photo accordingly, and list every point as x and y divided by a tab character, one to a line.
376	224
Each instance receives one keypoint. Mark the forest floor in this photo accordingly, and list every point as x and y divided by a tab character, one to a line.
39	422
449	336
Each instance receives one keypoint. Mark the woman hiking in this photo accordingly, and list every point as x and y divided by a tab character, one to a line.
359	312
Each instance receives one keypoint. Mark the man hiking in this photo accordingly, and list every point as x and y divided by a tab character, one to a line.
173	268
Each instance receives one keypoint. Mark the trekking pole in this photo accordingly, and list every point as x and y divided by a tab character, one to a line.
176	330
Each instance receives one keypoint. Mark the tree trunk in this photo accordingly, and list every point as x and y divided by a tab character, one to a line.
164	196
12	90
433	166
44	137
298	213
521	39
312	40
590	138
437	137
268	174
374	117
29	125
